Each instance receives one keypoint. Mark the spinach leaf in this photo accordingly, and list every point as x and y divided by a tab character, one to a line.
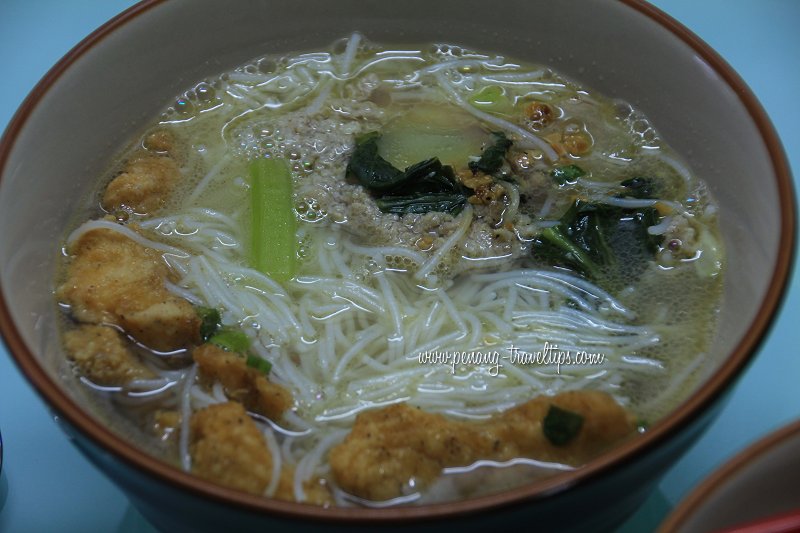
563	249
561	426
577	242
373	171
629	232
605	243
493	155
429	176
421	203
423	187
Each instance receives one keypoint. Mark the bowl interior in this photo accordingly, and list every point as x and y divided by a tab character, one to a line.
97	100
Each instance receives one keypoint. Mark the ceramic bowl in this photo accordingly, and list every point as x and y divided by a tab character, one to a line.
117	80
754	488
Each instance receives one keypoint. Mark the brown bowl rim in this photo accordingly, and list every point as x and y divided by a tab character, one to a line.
626	452
706	489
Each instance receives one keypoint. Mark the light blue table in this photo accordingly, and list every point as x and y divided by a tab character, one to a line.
47	486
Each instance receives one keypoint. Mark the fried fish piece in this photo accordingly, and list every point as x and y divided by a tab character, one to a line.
144	186
242	383
392	448
113	280
228	448
103	356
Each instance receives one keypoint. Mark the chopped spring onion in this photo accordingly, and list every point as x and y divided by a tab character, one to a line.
232	340
256	362
561	426
209	321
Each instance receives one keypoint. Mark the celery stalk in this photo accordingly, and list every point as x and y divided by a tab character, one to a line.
273	240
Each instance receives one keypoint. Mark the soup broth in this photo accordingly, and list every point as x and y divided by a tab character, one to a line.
424	274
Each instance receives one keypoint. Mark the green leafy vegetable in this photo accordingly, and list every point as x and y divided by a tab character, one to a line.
561	426
373	172
273	238
638	187
589	230
626	233
451	203
232	340
429	176
493	156
573	254
423	187
591	237
379	176
258	363
567	174
209	321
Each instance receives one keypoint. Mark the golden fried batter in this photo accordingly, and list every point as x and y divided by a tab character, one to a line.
228	448
113	280
144	186
102	356
241	382
390	447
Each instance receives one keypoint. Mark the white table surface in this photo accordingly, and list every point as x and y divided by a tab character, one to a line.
46	485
